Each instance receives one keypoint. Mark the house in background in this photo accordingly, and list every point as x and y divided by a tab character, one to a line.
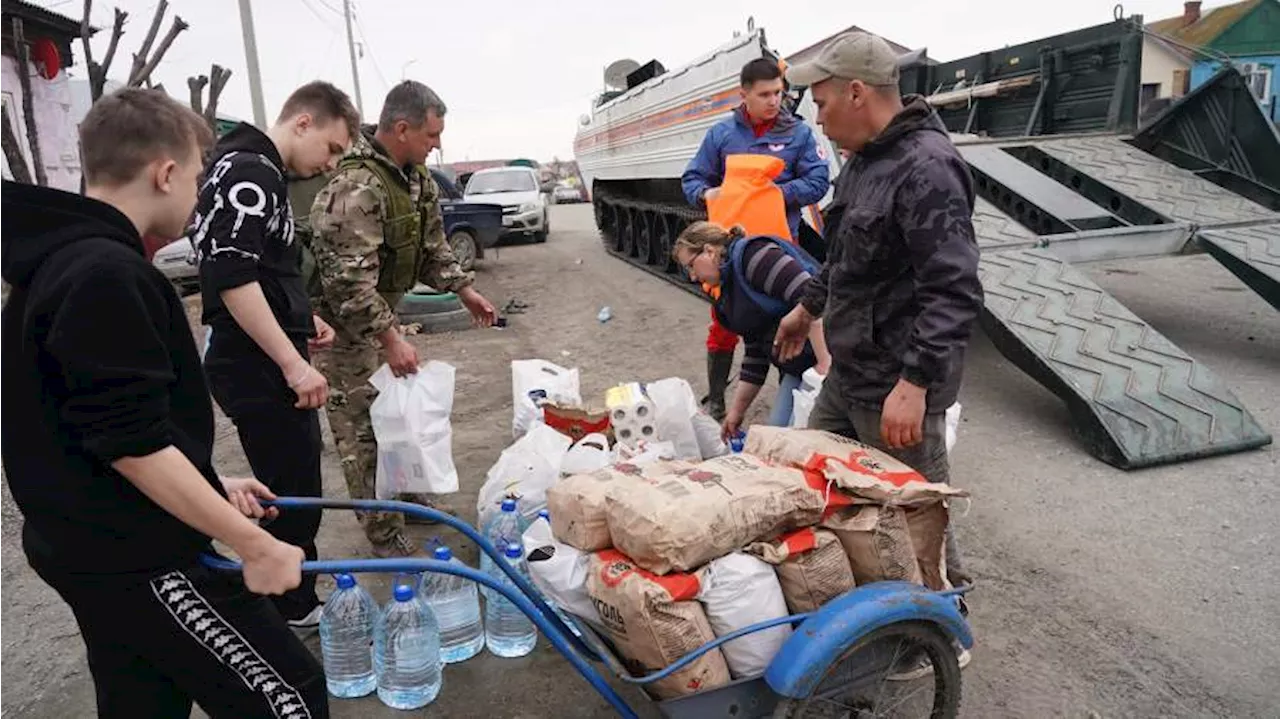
1246	34
48	37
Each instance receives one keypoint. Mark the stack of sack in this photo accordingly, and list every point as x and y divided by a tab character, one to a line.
673	553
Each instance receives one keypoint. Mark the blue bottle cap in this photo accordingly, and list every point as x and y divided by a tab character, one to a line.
513	550
544	514
345	581
403	593
737	442
509	504
443	554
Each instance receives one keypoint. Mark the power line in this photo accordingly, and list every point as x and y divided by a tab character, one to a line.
369	48
317	14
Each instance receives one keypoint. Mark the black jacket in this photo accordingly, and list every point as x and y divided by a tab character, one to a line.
99	364
243	232
899	290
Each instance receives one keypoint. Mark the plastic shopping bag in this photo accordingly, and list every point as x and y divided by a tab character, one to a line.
676	405
415	439
534	381
526	469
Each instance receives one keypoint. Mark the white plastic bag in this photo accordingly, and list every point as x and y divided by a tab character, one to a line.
953	425
740	590
707	430
526	469
804	398
559	571
533	381
589	454
410	419
676	405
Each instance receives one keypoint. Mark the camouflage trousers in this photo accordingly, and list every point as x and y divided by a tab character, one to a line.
348	366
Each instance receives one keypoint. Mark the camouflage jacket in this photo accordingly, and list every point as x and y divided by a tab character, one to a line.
346	232
899	290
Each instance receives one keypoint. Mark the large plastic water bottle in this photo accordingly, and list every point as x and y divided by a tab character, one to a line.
456	604
508	632
346	639
506	526
407	652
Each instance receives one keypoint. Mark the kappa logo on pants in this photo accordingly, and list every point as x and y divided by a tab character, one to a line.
205	625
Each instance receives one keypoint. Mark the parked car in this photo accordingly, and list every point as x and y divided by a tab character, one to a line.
517	190
568	193
472	227
177	262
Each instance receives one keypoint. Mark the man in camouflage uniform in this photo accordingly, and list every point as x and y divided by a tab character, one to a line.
375	231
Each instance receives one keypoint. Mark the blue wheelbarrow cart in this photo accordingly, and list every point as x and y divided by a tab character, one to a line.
884	649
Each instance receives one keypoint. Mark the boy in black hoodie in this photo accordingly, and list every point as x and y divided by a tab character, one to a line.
256	305
109	436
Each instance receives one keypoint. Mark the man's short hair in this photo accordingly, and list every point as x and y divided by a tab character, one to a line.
759	69
324	102
409	101
128	129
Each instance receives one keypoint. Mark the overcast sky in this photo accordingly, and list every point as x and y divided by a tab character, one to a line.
517	75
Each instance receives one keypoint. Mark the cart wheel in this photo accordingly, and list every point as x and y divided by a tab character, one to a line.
871	678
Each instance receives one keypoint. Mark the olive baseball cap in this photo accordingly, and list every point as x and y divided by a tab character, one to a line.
852	56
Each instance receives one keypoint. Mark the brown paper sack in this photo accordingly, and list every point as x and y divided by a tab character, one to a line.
928	526
861	470
877	541
577	503
654	621
811	566
686	519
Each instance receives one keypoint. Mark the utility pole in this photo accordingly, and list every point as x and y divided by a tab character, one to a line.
251	62
351	46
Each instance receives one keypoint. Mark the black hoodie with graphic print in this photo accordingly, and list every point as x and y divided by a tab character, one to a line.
99	364
243	232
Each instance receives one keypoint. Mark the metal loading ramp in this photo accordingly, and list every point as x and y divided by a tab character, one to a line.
1136	399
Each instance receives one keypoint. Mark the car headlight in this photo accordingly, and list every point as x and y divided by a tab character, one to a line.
528	207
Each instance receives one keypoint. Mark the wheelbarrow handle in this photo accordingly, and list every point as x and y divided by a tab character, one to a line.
392	565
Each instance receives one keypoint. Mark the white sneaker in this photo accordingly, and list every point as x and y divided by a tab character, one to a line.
311	621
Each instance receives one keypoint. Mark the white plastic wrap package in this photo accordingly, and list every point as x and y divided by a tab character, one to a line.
526	469
953	425
740	590
559	571
536	380
410	418
676	405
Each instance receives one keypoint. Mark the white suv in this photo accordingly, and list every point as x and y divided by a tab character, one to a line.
524	204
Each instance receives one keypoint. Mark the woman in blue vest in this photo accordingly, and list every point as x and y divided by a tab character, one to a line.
758	280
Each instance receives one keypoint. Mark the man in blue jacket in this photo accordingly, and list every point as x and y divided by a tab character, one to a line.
760	126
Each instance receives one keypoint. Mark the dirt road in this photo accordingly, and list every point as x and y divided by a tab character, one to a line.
1100	593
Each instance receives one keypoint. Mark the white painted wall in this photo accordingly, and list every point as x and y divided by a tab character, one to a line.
1158	64
59	144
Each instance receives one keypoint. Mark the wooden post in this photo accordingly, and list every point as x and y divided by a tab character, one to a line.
23	54
13	150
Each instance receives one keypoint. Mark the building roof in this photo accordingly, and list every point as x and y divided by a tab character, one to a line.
1212	23
53	21
809	52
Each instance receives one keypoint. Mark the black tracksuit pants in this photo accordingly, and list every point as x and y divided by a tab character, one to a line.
159	641
282	443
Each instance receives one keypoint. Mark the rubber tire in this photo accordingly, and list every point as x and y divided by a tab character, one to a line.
437	322
427	304
935	644
463	236
541	235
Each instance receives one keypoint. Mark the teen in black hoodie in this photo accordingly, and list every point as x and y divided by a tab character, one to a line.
256	306
109	435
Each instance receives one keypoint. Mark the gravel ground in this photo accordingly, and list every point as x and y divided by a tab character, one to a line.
1100	592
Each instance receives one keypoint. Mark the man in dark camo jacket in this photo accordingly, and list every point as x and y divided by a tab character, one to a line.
899	291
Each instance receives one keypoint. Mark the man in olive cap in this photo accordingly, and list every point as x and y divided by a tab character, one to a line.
899	291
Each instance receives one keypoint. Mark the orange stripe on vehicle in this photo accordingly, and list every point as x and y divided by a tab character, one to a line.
688	112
